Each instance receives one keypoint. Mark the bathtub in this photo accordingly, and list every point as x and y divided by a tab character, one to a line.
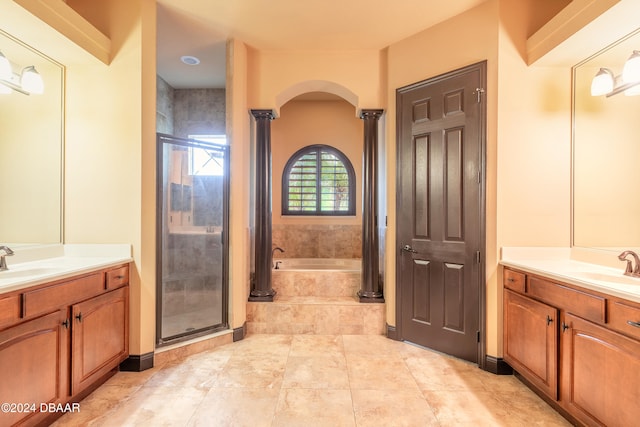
316	277
318	264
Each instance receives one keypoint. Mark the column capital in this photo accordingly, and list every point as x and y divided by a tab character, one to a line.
371	114
263	114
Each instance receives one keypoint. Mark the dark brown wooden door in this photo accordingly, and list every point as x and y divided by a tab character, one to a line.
440	211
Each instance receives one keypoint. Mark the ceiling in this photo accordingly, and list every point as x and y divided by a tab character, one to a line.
200	27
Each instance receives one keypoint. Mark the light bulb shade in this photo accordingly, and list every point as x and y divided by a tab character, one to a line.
5	68
633	91
631	70
602	83
31	80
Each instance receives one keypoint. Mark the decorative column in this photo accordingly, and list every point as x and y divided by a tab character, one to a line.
261	287
370	289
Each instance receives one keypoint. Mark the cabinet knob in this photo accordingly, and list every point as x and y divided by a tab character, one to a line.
549	320
66	323
564	326
79	317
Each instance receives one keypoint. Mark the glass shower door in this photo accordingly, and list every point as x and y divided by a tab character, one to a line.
192	266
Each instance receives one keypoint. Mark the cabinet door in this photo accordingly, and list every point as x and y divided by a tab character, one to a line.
600	374
100	338
531	341
34	368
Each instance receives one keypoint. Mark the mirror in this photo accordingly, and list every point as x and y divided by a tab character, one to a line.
606	155
31	151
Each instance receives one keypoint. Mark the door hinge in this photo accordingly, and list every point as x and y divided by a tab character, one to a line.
478	335
479	177
478	257
479	91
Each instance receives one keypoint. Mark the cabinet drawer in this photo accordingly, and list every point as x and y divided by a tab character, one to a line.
514	280
49	299
624	318
9	310
117	277
580	303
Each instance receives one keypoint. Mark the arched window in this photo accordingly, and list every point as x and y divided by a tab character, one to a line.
318	180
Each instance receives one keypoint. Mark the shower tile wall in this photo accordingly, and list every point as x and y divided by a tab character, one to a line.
164	106
318	241
199	112
184	112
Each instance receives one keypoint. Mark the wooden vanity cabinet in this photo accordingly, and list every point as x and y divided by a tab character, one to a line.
34	368
600	374
100	337
60	339
531	340
579	347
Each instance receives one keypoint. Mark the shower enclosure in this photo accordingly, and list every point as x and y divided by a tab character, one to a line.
192	246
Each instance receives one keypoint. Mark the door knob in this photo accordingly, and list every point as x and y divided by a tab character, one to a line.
408	248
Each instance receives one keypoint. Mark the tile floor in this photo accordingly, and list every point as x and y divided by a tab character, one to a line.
313	380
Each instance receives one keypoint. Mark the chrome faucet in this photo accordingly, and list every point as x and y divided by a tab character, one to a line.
6	252
273	251
629	271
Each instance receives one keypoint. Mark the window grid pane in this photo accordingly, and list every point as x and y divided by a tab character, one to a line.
319	174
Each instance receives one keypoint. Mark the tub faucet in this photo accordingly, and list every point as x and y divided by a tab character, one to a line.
629	271
6	251
273	251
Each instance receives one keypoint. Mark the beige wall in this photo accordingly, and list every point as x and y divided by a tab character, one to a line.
109	142
303	123
279	76
466	39
110	184
533	156
528	136
110	177
238	137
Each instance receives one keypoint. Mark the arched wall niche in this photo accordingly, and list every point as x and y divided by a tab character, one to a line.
310	86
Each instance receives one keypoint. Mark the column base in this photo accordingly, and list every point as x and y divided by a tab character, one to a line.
370	297
262	296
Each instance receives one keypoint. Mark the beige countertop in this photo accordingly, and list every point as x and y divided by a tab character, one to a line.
557	264
36	265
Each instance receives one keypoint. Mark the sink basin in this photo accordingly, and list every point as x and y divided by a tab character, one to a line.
607	277
35	271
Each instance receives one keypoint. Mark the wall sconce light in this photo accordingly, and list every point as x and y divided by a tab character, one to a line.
606	83
603	82
27	82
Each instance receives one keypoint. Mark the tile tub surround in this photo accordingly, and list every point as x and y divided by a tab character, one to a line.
316	283
315	315
320	380
318	240
316	302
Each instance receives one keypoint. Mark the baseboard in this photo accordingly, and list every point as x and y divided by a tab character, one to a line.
137	363
240	333
392	333
497	366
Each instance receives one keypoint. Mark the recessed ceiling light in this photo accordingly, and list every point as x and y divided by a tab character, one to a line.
190	60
